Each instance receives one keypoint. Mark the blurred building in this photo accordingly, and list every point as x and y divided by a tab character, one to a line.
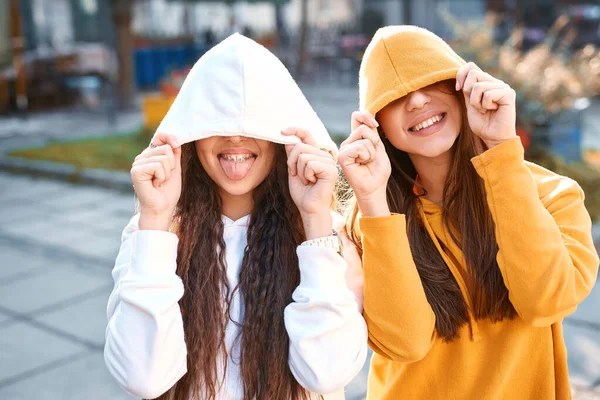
168	18
54	52
424	13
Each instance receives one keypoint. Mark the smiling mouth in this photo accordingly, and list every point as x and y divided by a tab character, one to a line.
436	119
236	166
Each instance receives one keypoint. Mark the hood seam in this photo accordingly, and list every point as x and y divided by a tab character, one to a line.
387	52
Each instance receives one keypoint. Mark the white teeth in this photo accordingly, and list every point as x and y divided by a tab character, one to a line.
427	123
236	157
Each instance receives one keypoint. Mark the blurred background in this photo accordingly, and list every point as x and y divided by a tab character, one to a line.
84	83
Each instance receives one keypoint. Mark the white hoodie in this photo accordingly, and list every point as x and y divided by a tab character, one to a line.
240	88
237	88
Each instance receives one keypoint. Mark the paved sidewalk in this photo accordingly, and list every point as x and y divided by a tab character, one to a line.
58	242
39	128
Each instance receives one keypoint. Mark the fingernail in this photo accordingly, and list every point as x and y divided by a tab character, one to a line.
456	86
375	123
176	142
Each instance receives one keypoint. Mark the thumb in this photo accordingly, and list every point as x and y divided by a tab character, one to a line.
316	171
289	148
177	156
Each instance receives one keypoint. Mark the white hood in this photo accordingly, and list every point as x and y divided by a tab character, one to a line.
240	88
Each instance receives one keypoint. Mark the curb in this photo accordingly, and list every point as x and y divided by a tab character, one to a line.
120	181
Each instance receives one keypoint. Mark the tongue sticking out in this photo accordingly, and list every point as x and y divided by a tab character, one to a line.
236	168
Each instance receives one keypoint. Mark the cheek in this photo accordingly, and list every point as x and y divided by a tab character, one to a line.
206	161
399	141
392	121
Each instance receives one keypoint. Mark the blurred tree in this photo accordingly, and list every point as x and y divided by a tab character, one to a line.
122	13
302	55
18	50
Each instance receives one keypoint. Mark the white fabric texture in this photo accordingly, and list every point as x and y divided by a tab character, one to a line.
145	348
240	88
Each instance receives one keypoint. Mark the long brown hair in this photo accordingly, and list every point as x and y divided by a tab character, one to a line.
467	218
268	276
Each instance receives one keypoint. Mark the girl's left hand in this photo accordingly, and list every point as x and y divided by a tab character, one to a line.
490	105
312	177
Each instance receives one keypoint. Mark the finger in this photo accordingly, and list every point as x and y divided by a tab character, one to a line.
165	150
316	170
478	91
367	145
289	148
475	76
176	157
162	159
363	132
354	154
462	73
148	172
304	135
301	166
161	138
363	117
303	149
305	159
494	98
472	79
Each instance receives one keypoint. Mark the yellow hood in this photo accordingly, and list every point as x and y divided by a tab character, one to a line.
400	60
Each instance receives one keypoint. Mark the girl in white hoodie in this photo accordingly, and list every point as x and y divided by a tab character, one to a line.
229	283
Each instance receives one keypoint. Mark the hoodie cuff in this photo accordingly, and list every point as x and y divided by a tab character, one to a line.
497	163
321	268
154	252
388	225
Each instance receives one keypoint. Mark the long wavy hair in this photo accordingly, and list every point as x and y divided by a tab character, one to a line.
467	218
269	274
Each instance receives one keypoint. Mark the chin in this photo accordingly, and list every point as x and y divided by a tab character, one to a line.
237	188
437	146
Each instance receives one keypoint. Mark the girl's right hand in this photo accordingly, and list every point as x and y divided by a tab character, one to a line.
156	177
366	165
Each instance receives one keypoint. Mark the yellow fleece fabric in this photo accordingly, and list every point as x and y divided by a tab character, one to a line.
546	257
400	60
548	263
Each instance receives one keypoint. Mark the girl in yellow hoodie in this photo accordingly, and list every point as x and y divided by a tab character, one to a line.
472	256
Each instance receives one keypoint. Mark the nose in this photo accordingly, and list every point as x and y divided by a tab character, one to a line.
235	139
417	100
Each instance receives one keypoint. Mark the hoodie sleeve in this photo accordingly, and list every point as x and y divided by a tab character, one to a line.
401	322
546	253
145	349
328	335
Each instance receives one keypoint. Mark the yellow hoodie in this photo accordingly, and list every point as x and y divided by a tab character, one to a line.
546	257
